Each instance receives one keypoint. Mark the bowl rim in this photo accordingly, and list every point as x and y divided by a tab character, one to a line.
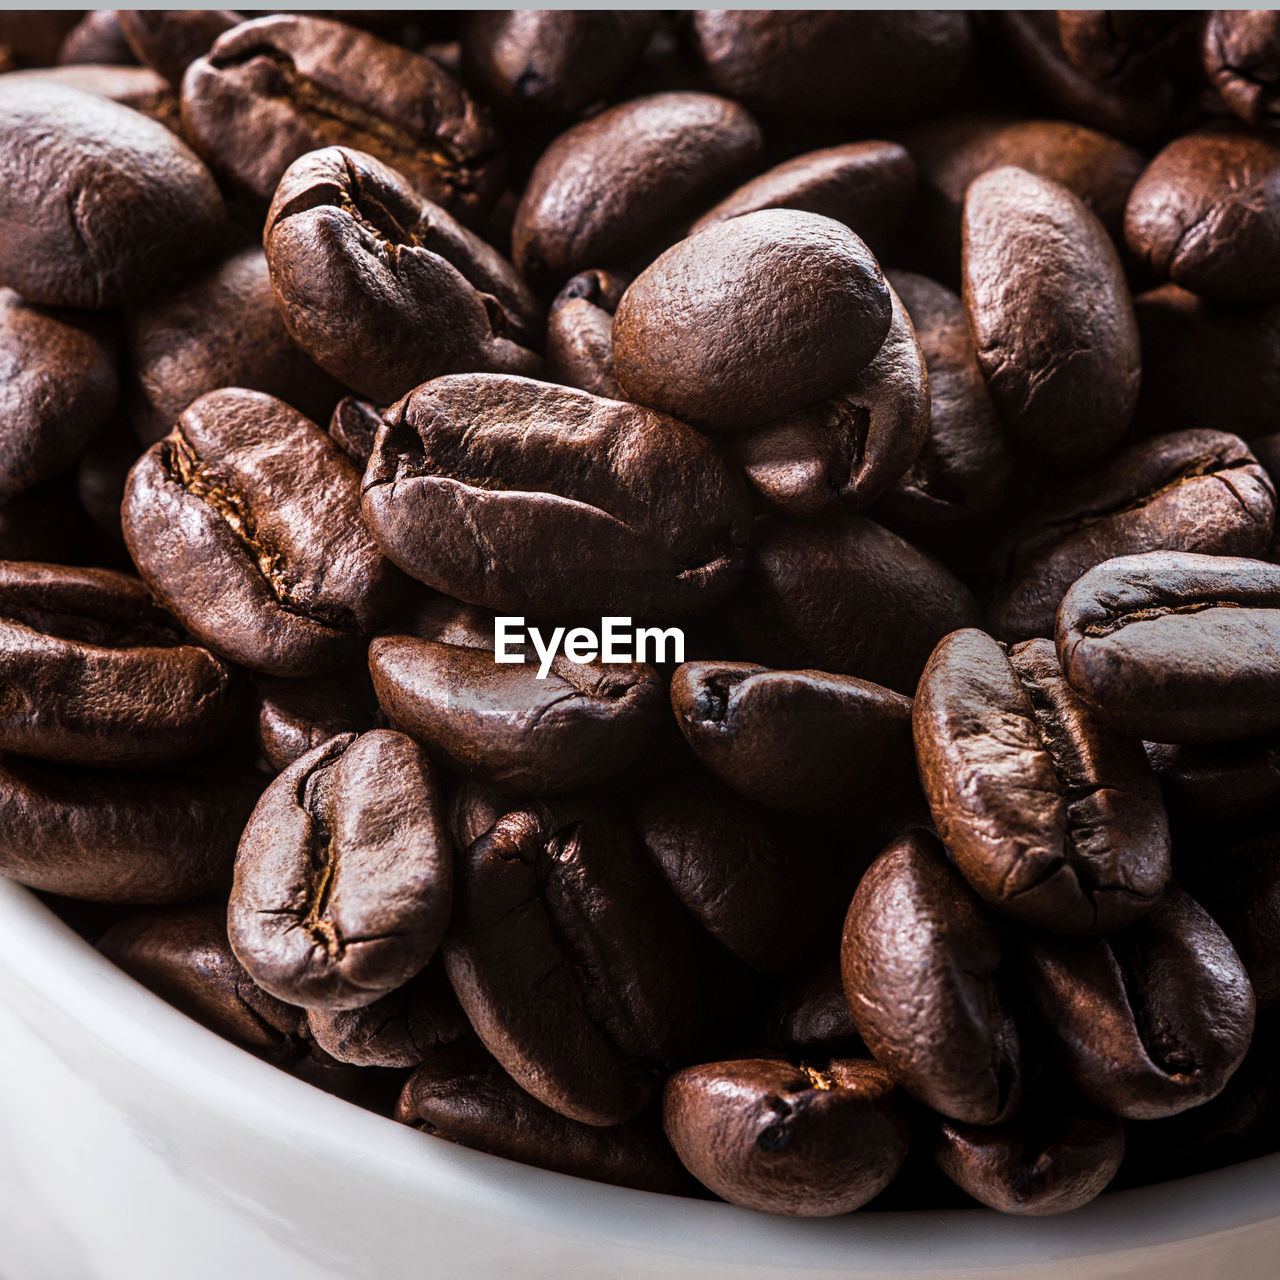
44	956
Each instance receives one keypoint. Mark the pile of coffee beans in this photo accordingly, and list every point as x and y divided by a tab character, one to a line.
907	382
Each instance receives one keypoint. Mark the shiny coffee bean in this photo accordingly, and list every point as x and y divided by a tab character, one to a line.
811	1018
1240	50
245	523
169	40
296	716
1175	647
922	973
580	333
382	288
809	1142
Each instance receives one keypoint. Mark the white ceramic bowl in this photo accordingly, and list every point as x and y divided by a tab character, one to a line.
135	1145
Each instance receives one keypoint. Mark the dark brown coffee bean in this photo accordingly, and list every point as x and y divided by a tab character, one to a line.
1240	50
552	61
1197	491
97	38
1151	1020
844	595
31	37
1175	647
382	288
867	65
1050	315
580	333
101	474
182	954
353	425
801	740
810	1142
866	185
245	523
344	874
169	40
569	961
96	674
1218	783
119	837
922	973
592	198
101	203
473	809
139	88
1206	214
812	1019
750	319
57	388
270	90
1104	44
847	449
220	329
574	505
1049	815
296	716
462	1095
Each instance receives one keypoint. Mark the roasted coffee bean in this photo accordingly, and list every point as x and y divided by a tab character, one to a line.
750	319
462	1095
610	188
1104	44
1200	491
182	954
101	474
1175	647
806	1141
354	425
296	716
97	38
244	521
525	732
580	333
1050	816
31	37
1240	49
119	837
473	809
811	1018
552	61
922	972
846	596
1050	315
1218	783
533	499
96	674
1206	214
831	63
221	329
382	288
569	961
57	388
801	740
169	40
1050	1159
849	448
102	204
399	1030
866	185
271	90
139	88
1153	1019
344	874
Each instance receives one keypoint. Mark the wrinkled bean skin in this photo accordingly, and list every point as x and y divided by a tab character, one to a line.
58	387
275	88
1199	491
245	523
1206	214
1050	315
462	1095
796	740
296	716
549	61
1175	647
580	333
169	40
610	186
846	596
826	62
342	890
1150	1021
102	204
382	288
525	734
848	449
802	1141
95	674
1240	49
574	505
1050	816
569	961
119	837
750	319
921	967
